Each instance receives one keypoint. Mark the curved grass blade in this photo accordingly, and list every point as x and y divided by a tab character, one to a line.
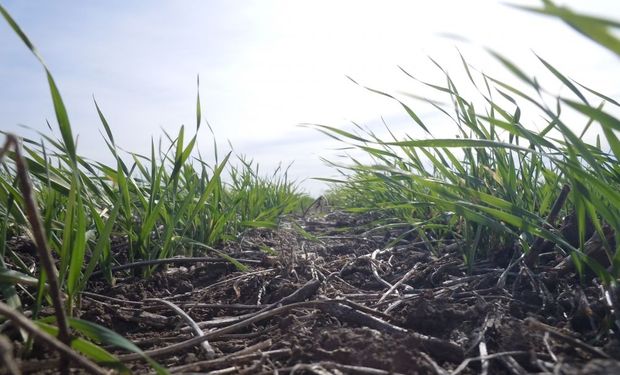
101	334
595	28
87	348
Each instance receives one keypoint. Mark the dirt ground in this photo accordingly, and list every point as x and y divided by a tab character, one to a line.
339	300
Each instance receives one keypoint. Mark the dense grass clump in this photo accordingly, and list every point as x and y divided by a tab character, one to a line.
156	201
169	203
501	183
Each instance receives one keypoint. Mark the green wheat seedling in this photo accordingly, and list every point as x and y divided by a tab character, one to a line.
169	203
494	184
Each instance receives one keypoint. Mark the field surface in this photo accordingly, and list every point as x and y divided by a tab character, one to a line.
493	251
338	300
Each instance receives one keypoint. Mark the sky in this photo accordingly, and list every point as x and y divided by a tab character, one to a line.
266	67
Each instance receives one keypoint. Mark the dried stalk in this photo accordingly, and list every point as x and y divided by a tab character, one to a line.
190	322
34	217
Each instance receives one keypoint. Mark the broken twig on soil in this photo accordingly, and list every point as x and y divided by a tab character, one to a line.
534	324
208	349
154	262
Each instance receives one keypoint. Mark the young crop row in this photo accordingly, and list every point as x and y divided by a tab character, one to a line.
166	204
499	183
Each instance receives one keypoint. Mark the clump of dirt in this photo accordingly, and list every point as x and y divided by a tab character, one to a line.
362	347
440	317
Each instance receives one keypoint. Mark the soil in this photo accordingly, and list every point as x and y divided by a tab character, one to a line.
339	299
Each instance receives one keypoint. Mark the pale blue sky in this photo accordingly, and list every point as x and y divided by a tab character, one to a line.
265	66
